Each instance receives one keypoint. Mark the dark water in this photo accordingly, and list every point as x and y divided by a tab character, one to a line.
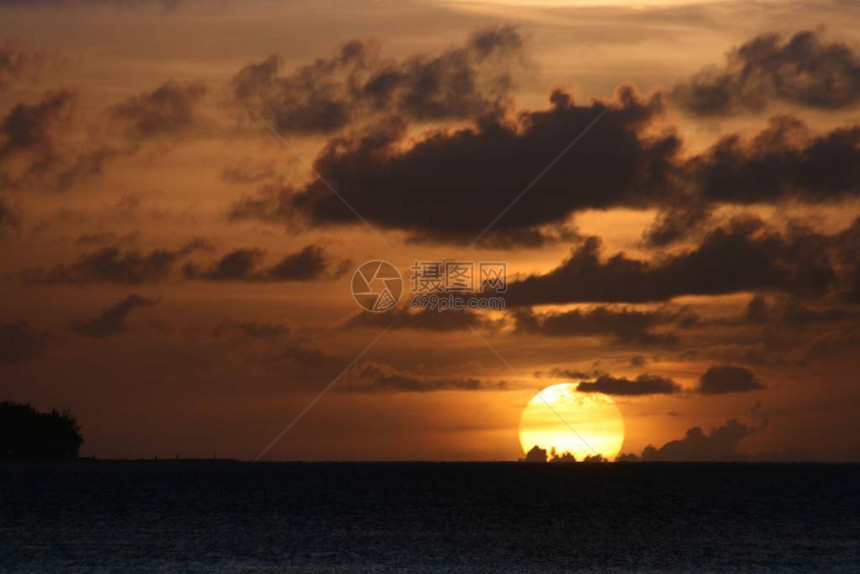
273	517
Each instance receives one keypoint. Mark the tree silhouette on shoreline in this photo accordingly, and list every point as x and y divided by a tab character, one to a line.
27	434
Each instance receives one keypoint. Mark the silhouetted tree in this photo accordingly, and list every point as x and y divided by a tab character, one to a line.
27	434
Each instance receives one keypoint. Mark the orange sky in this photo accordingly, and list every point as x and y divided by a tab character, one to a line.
202	364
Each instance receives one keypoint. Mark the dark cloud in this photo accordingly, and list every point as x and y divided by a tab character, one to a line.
373	377
110	265
331	93
792	313
677	220
745	255
17	63
796	313
36	147
19	343
629	159
785	160
238	265
849	247
398	186
32	126
721	444
724	379
169	110
756	310
10	220
112	320
624	326
481	170
40	144
804	70
310	263
559	373
309	365
252	329
425	320
644	384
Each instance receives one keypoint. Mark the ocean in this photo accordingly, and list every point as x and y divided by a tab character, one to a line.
228	516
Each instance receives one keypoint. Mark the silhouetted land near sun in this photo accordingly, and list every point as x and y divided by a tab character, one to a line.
27	434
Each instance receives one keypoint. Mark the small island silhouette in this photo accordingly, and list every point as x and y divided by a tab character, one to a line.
27	434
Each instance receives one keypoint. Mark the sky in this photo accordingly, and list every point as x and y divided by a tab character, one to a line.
187	188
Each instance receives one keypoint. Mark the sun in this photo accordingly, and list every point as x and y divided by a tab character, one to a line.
595	420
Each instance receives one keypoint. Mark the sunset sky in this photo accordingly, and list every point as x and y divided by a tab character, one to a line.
179	276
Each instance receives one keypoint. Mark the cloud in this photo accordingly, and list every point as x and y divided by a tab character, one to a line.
796	313
559	373
309	365
849	247
631	158
308	264
793	313
644	384
784	161
18	343
36	147
110	265
720	444
17	63
677	220
724	379
357	83
32	126
623	325
397	183
745	255
251	329
168	110
804	70
305	265
10	220
373	377
112	320
756	310
40	144
237	265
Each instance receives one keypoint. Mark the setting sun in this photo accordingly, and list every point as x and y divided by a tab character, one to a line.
595	420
